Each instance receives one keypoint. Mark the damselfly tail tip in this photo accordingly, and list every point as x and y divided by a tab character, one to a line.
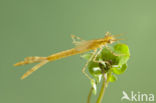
15	64
18	64
23	77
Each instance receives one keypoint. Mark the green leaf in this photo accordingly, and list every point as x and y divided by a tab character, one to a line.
95	71
117	55
94	87
119	70
94	68
112	78
121	50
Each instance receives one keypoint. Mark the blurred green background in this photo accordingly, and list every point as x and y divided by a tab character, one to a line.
43	27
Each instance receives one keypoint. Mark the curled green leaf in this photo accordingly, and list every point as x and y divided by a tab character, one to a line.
119	70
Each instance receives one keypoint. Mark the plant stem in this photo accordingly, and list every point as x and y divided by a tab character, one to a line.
103	87
89	95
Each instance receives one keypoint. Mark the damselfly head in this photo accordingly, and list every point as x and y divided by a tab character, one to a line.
111	38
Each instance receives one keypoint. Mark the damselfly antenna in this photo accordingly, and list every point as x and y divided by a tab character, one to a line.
118	39
118	35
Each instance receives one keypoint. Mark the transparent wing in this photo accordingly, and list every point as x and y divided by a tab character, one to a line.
76	38
83	45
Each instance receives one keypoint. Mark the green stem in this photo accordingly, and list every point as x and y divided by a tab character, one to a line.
89	95
102	91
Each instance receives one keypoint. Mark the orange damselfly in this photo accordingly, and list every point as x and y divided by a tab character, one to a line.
81	47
